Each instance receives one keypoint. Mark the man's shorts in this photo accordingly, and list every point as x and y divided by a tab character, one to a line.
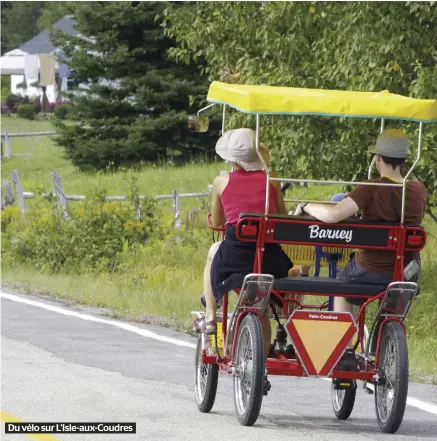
354	271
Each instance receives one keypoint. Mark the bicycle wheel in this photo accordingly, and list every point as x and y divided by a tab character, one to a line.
249	370
392	389
206	378
343	401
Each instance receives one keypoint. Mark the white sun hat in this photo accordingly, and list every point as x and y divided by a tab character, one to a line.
238	146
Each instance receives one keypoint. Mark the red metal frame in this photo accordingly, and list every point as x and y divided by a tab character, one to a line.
381	328
280	365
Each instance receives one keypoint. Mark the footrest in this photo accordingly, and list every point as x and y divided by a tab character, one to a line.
343	384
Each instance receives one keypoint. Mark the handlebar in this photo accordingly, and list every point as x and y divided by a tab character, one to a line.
210	225
285	186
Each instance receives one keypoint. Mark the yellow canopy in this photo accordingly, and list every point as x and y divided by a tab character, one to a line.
294	101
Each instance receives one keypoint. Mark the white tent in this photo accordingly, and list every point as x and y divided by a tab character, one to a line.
12	63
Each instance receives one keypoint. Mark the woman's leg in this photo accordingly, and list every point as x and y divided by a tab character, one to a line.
211	304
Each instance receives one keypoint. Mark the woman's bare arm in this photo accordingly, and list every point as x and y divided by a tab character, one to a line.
279	201
217	214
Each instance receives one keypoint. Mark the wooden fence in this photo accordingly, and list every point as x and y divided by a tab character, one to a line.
6	151
9	198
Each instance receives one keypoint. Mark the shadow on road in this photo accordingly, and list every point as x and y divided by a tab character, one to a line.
410	428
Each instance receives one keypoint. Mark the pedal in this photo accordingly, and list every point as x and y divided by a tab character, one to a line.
348	362
340	384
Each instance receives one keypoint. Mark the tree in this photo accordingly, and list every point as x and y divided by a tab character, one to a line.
19	23
52	12
326	45
133	101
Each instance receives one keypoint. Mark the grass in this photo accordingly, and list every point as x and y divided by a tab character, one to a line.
162	282
47	156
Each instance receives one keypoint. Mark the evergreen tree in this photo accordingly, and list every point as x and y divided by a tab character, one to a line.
132	101
19	23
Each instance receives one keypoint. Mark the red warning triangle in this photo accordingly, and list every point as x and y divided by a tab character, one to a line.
320	338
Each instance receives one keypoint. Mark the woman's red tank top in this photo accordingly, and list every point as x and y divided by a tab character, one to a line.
246	192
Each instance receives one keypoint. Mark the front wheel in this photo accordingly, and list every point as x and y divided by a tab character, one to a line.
392	388
206	378
343	401
249	370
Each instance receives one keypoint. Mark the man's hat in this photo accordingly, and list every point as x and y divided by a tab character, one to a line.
392	143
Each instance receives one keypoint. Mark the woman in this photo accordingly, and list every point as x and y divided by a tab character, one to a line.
242	190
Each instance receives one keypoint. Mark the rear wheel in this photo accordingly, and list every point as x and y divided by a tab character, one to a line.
343	401
206	378
392	389
249	370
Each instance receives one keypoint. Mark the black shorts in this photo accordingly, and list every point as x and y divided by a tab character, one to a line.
235	259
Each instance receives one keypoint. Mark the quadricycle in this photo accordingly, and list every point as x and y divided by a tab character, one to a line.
319	337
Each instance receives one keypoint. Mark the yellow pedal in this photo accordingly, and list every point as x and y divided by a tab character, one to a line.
219	339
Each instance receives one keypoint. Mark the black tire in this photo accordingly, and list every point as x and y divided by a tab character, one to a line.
343	401
250	368
391	393
205	380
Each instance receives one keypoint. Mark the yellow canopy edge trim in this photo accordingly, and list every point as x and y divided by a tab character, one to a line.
295	101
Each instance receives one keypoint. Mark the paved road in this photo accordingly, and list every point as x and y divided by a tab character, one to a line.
63	368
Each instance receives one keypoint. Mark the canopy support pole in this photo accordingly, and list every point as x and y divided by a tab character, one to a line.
265	166
404	183
205	108
223	118
369	173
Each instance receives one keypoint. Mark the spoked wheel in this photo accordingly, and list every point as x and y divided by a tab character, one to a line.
392	389
249	370
343	401
206	378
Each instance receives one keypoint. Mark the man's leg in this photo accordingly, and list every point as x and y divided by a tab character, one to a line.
267	331
299	270
342	305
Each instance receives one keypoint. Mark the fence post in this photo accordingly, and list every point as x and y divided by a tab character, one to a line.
59	193
9	194
7	152
177	209
138	214
19	191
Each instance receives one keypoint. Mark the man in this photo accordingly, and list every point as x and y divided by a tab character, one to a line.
376	204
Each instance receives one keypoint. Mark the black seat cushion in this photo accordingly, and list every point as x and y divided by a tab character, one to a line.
325	285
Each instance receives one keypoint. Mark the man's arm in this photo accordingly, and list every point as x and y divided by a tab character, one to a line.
330	214
357	199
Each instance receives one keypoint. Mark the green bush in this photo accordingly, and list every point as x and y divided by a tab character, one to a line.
26	111
13	101
62	111
92	241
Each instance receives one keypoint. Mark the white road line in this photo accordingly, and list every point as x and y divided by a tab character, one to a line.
414	402
121	325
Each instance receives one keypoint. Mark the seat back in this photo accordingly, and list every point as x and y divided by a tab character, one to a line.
305	230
